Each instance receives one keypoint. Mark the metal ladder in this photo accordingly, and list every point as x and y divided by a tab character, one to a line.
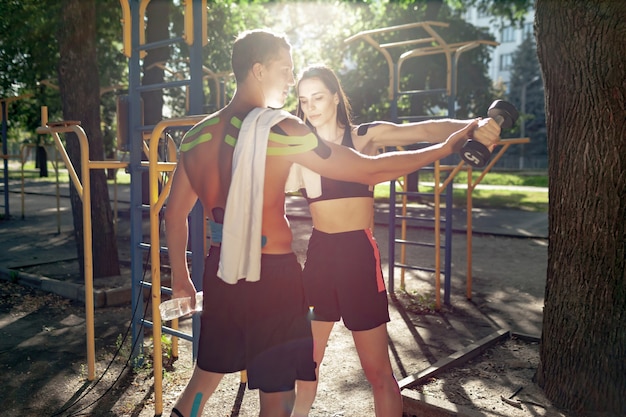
134	48
431	44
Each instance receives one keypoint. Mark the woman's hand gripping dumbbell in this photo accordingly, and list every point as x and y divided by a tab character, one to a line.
475	153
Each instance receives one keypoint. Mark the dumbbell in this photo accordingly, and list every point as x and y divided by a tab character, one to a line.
475	153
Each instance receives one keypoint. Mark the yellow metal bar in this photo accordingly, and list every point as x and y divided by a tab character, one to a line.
57	188
84	192
471	186
403	233
394	28
188	20
470	190
88	251
452	174
22	161
406	43
205	36
154	171
366	36
126	28
115	208
156	270
142	30
8	100
108	164
66	159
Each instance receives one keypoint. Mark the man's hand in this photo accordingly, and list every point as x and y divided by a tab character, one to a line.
183	287
487	132
458	138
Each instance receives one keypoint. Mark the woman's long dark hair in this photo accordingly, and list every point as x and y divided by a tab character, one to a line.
330	80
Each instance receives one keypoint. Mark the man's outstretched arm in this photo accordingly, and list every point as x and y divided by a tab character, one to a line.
342	163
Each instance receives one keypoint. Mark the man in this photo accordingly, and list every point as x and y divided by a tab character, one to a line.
254	313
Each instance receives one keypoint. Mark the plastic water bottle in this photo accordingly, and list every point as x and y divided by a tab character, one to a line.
178	307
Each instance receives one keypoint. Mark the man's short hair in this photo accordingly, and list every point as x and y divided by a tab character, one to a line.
254	46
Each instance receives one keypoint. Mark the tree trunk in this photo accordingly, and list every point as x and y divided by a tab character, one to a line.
157	29
582	50
80	97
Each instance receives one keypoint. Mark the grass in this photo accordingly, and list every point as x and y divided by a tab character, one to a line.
525	199
32	174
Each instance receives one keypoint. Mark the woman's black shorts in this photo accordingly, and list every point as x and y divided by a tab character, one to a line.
343	279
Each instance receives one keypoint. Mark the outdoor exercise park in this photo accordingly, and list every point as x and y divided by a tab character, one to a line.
465	249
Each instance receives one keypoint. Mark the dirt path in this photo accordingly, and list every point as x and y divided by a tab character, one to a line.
43	343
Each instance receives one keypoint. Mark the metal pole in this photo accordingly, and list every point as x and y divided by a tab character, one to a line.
523	122
196	106
135	145
5	152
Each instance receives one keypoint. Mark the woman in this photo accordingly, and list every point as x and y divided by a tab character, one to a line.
342	274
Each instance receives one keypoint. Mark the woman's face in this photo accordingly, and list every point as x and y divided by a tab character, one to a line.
318	104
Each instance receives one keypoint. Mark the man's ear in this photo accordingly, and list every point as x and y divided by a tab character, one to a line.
257	71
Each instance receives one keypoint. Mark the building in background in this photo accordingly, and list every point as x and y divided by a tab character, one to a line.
510	37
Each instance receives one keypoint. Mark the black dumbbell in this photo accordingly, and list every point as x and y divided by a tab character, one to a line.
475	153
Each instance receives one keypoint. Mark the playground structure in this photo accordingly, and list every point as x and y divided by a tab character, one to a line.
431	44
146	139
4	117
142	139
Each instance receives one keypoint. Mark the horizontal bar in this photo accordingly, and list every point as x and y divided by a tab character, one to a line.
161	43
147	247
415	268
419	118
456	359
169	330
107	164
165	290
414	243
422	92
150	128
423	219
162	86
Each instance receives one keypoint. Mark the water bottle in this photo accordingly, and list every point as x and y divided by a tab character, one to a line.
178	307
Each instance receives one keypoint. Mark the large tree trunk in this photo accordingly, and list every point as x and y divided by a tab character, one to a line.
80	97
157	29
582	50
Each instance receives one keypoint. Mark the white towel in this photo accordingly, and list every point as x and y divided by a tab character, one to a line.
302	177
241	239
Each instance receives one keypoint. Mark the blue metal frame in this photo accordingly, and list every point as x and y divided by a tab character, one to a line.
135	134
5	151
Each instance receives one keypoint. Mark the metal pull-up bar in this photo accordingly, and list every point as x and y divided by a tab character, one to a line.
83	189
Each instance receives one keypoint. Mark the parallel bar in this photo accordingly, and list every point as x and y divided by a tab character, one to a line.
168	330
414	243
457	358
415	268
161	43
161	86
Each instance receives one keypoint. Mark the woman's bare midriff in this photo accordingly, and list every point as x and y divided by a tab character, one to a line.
342	215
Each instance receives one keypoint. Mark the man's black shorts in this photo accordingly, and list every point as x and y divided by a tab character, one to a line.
261	326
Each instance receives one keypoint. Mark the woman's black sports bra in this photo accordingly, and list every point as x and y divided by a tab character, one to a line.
334	189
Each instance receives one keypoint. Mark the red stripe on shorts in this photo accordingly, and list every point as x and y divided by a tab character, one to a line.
380	281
